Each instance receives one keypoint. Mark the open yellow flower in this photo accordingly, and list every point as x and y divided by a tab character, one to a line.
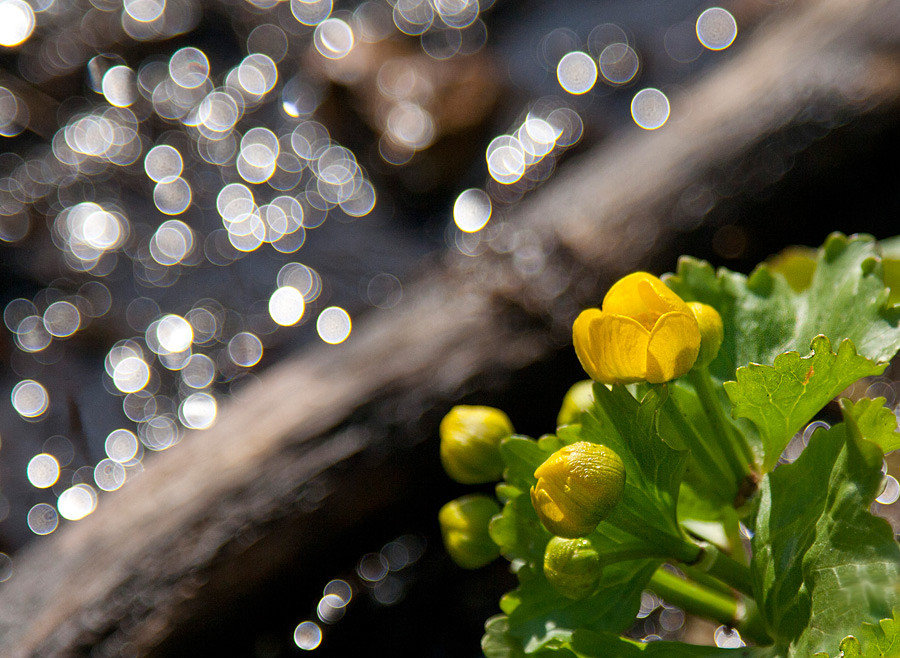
644	332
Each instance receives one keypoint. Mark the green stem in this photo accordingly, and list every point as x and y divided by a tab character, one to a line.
693	598
733	442
706	580
712	467
715	563
702	601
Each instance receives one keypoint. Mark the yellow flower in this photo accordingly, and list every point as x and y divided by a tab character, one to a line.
577	487
644	332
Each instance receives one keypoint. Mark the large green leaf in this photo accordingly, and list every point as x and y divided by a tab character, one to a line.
822	564
782	398
765	317
538	617
599	644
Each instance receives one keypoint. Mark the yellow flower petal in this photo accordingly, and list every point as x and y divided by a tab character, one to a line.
581	339
643	297
673	347
619	349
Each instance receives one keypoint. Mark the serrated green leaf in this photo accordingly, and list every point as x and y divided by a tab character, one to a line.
782	398
822	563
876	422
881	640
764	317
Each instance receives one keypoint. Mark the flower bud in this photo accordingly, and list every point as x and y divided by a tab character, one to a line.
711	332
578	486
573	567
464	526
470	443
577	401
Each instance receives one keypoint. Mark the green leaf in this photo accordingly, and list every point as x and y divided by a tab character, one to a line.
587	644
822	563
782	398
539	617
518	531
875	421
764	317
881	640
521	456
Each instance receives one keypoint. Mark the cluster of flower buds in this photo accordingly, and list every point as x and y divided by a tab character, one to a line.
644	333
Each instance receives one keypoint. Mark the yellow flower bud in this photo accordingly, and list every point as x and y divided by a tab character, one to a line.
644	332
464	526
470	443
573	567
577	487
711	332
577	400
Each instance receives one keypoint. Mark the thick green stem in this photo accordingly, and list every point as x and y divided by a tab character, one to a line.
693	598
733	443
713	468
699	600
704	602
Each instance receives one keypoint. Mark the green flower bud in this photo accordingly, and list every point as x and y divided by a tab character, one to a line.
573	567
711	332
578	486
464	526
470	443
577	401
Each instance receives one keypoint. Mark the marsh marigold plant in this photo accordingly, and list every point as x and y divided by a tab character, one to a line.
668	459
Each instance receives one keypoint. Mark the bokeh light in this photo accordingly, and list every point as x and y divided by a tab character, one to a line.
286	306
77	502
472	210
43	471
577	72
30	398
308	635
650	109
333	325
42	519
716	28
16	22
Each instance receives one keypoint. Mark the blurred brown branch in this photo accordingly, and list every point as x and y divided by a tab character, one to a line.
234	504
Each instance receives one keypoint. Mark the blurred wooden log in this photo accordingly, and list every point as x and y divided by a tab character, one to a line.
266	480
